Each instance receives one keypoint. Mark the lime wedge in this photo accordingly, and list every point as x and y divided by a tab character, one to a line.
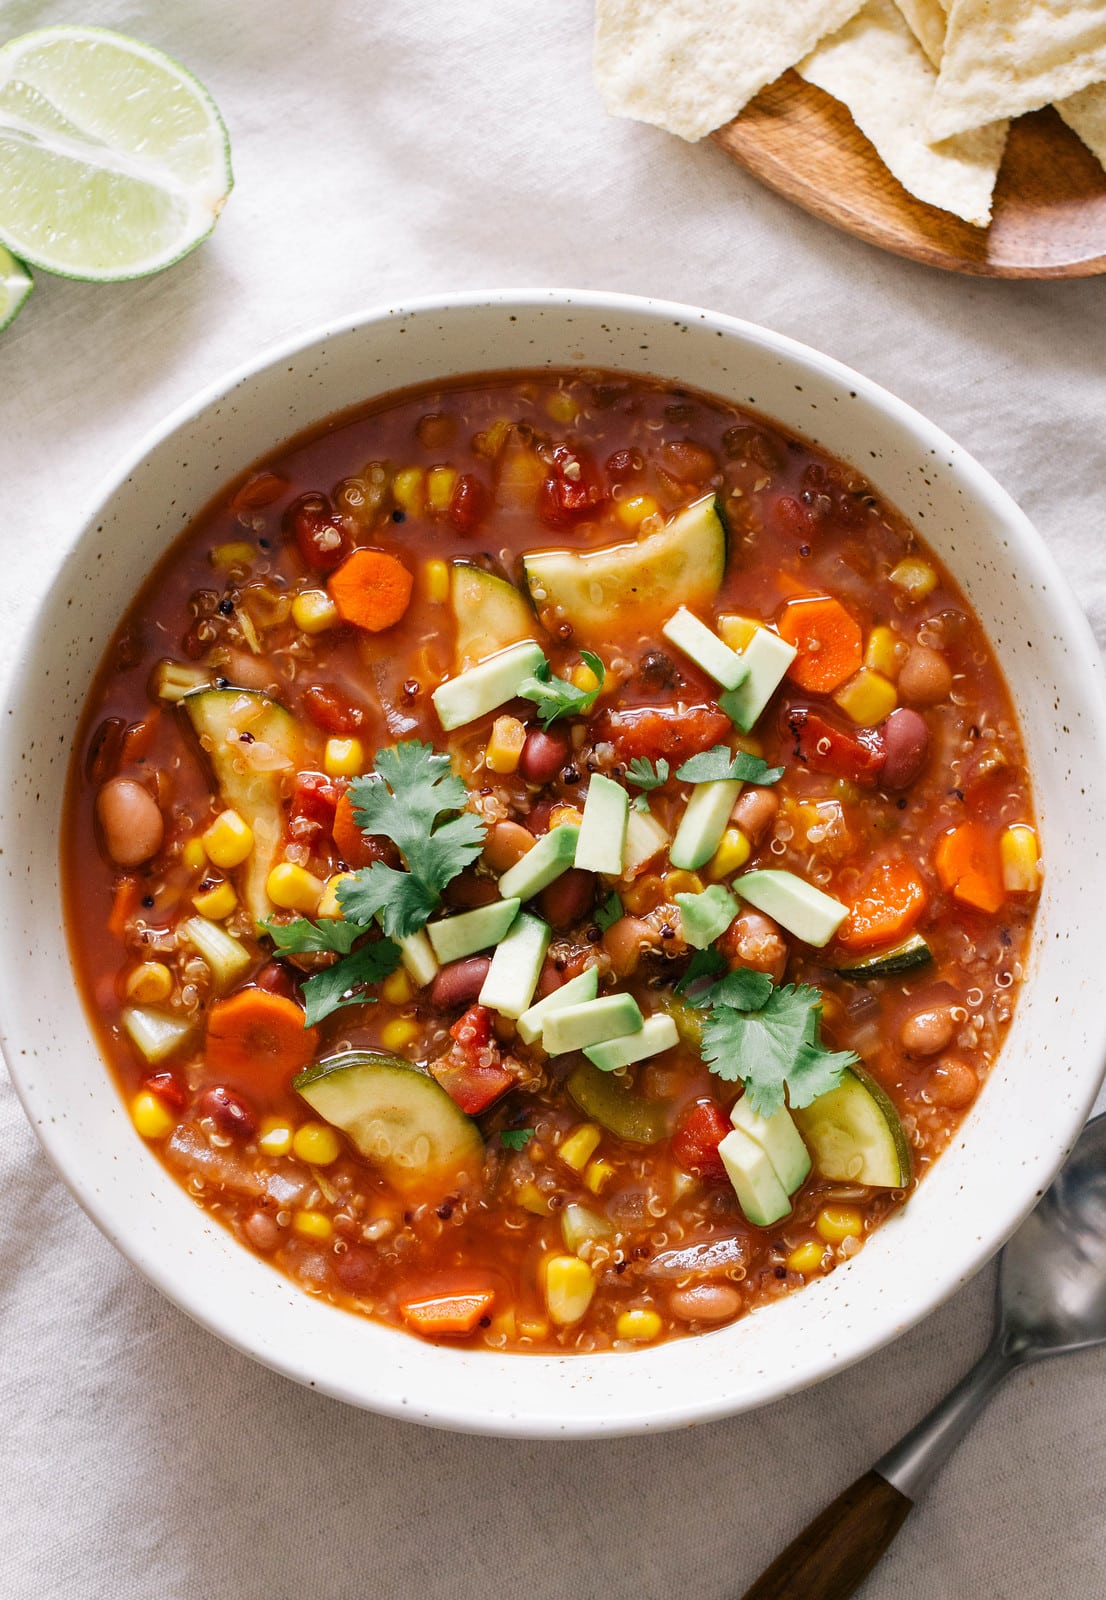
115	159
15	285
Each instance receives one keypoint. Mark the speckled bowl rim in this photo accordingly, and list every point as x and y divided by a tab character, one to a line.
682	1382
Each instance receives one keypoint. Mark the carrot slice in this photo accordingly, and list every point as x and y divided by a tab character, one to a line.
968	865
371	589
829	642
258	1039
892	900
447	1316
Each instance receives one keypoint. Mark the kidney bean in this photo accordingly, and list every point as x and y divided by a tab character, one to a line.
132	825
551	979
467	891
105	750
925	677
543	755
228	1111
507	842
754	812
459	983
906	741
569	898
927	1032
705	1302
262	1230
275	978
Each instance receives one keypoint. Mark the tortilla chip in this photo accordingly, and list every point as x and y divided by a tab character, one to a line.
927	21
1085	114
691	67
1003	57
877	68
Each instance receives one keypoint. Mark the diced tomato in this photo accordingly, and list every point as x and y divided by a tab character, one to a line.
168	1089
675	735
572	489
474	1029
819	745
469	503
316	530
472	1073
314	801
699	1132
332	710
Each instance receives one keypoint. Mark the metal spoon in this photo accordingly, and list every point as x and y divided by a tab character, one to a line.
1051	1299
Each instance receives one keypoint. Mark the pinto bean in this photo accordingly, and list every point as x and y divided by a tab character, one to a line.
569	898
705	1302
953	1084
906	741
543	755
262	1230
925	677
753	940
132	825
754	812
507	842
459	983
927	1032
624	942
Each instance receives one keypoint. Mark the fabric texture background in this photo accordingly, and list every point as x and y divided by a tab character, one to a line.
384	151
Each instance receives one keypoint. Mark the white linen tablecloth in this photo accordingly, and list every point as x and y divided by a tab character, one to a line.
385	150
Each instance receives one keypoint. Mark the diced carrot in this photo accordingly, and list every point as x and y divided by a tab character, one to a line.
829	642
371	589
258	1039
888	906
123	905
968	865
447	1316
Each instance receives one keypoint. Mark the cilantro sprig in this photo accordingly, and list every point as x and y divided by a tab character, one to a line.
516	1138
645	774
344	983
720	763
556	697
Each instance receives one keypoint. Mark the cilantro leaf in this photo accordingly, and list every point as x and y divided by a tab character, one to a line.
640	802
609	912
704	964
556	697
302	935
713	766
343	984
646	774
772	1047
516	1138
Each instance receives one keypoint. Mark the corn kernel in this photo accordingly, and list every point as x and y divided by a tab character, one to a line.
640	1324
633	512
915	578
736	631
678	881
216	903
399	1033
867	698
329	906
569	1286
598	1174
275	1137
577	1148
228	841
881	651
560	815
294	888
316	1144
314	611
505	745
806	1258
194	856
532	1328
236	554
407	490
733	851
489	443
584	678
152	1119
312	1224
435	579
440	484
751	745
1021	859
562	407
504	1325
343	758
835	1223
530	1198
397	987
149	983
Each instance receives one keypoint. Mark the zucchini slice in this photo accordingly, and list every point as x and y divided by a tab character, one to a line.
615	1106
229	723
854	1134
681	565
398	1118
903	957
489	614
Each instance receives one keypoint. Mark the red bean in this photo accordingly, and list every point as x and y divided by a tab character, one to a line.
132	825
459	983
543	755
754	810
275	978
228	1111
262	1230
906	741
569	898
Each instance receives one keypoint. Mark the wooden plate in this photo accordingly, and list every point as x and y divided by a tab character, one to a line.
1050	199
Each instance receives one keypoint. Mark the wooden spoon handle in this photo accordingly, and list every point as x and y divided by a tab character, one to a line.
835	1553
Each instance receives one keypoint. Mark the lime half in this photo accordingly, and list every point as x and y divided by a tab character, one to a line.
15	285
115	159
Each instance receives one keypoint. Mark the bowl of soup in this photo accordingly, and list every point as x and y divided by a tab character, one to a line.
552	853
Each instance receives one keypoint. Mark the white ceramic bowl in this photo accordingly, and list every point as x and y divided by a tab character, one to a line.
1011	1143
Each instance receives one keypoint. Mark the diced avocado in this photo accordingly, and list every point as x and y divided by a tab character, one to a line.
481	689
681	564
418	958
590	1022
760	1194
516	967
453	938
615	1106
656	1033
780	1140
767	658
855	1135
645	838
902	957
795	904
489	614
583	987
227	956
399	1118
703	823
705	917
603	830
685	630
553	854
